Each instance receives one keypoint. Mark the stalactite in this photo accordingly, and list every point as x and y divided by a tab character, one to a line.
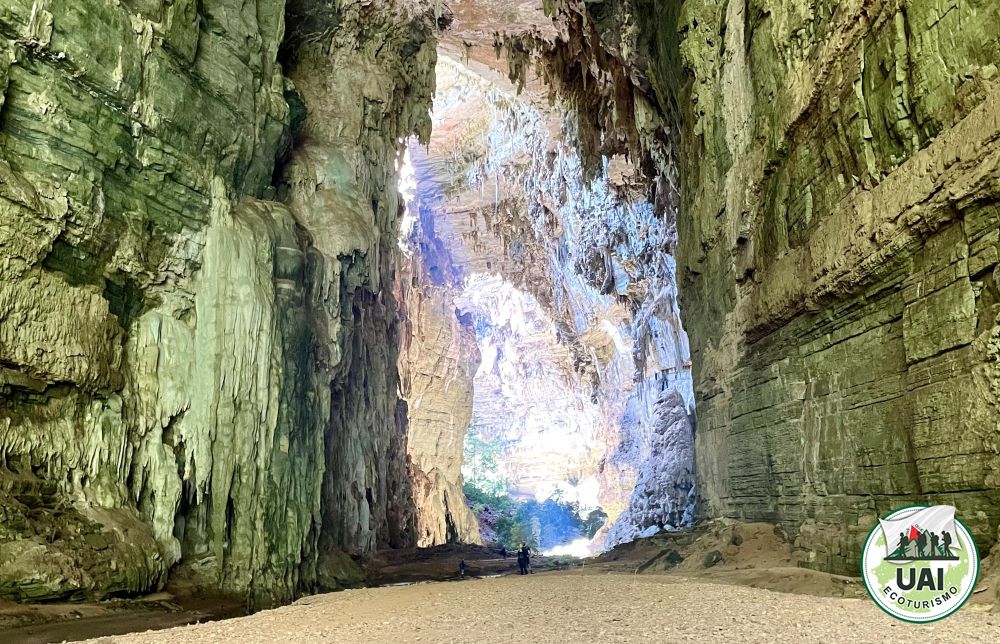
178	334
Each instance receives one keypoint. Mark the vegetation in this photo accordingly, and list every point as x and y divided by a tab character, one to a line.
540	525
482	465
480	499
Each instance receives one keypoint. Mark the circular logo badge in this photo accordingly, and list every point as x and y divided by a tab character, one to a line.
920	563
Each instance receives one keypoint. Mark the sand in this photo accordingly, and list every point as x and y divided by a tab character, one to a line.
575	606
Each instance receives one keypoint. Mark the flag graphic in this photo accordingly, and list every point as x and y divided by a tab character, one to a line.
926	533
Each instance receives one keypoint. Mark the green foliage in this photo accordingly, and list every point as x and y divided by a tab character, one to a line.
482	465
514	525
507	529
536	524
480	499
524	528
595	521
563	562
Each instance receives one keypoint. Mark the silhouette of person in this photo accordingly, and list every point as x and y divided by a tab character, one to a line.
522	559
461	568
921	544
946	546
904	542
527	558
503	552
934	545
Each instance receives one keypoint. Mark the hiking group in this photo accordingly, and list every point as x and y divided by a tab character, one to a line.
925	543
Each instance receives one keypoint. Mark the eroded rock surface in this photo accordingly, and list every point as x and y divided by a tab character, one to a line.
437	364
567	275
854	201
837	245
197	331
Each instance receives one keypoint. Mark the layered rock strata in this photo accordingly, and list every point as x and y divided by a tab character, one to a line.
197	331
437	364
838	255
837	243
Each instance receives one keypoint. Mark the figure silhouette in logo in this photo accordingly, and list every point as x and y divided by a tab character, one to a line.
946	544
921	544
934	545
904	543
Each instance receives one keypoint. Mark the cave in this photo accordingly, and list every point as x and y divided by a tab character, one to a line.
302	296
542	321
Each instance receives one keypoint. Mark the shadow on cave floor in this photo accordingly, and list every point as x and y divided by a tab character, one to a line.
59	622
74	621
728	552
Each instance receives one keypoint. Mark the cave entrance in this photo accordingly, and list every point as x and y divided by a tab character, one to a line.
543	362
535	448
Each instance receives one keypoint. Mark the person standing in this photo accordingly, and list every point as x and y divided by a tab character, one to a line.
522	560
946	544
904	542
526	553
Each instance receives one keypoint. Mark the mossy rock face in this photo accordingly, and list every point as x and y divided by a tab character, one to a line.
836	259
337	571
178	353
837	250
50	549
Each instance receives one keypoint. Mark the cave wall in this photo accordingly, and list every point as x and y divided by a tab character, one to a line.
838	241
437	364
197	342
567	273
365	92
438	359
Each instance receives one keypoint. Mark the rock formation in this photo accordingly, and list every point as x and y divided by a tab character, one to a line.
437	363
849	330
214	361
662	496
569	283
837	242
197	331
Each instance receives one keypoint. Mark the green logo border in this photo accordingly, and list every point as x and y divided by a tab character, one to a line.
951	612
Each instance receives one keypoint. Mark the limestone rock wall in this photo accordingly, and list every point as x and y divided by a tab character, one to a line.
838	256
196	364
836	165
365	92
837	245
662	493
566	271
437	363
438	359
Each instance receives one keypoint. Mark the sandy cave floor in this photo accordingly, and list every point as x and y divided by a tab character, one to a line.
574	606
